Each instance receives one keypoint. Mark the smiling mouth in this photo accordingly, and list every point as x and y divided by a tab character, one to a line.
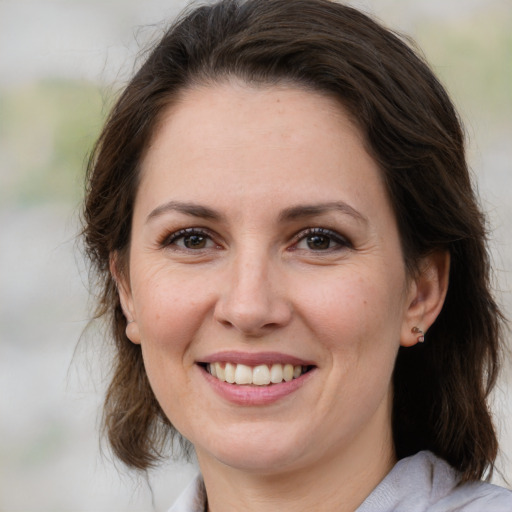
260	375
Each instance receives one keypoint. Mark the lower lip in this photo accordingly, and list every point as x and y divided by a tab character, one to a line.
255	395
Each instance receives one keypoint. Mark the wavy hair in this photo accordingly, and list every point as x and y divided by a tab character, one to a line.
412	131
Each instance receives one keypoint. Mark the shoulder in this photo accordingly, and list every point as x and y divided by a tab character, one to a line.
192	499
426	483
421	483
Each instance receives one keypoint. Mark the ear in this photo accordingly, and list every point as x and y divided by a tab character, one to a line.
125	297
427	292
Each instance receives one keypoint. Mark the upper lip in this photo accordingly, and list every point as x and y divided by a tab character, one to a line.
254	359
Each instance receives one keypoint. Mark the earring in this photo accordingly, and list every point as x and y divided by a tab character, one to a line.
421	337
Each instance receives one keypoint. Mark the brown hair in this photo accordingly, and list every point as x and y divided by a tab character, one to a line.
412	131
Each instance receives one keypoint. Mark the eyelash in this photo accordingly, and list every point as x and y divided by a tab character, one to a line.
339	240
183	233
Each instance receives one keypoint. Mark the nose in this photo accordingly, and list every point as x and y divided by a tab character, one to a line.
253	298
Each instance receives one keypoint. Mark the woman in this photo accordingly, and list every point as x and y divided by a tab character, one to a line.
294	266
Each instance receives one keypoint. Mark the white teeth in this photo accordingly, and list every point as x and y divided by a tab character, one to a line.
243	374
276	373
220	372
260	375
230	370
288	372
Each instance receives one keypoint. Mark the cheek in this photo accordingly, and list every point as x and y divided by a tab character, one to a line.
351	302
358	321
169	317
170	309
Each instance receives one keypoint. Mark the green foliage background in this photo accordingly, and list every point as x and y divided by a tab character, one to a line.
46	130
48	127
48	439
473	56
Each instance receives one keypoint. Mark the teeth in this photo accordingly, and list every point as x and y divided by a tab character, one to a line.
243	374
220	371
230	370
288	372
276	373
261	375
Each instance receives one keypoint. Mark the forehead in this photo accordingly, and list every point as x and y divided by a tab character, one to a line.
234	99
235	116
240	145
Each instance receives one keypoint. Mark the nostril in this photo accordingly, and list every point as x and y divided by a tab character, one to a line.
254	318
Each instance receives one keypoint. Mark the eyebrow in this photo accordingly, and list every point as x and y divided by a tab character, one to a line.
288	214
301	211
192	209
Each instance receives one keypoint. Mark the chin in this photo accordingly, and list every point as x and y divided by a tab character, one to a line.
262	461
254	450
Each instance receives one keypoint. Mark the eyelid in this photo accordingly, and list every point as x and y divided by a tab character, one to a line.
342	241
168	239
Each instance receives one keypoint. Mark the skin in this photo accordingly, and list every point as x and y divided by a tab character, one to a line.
255	157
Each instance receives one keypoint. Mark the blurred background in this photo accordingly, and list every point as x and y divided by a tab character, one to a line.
62	62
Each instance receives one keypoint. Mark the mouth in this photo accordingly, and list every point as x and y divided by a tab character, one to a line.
255	379
257	375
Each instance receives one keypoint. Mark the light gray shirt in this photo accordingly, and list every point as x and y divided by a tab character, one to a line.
421	483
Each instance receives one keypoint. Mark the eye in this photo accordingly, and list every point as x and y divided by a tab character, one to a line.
190	239
320	239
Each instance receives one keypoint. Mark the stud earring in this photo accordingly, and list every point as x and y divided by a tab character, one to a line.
421	334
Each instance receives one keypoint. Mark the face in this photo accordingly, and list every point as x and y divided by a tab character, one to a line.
266	282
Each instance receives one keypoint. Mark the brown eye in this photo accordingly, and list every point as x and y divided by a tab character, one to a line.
321	239
194	242
189	239
318	242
